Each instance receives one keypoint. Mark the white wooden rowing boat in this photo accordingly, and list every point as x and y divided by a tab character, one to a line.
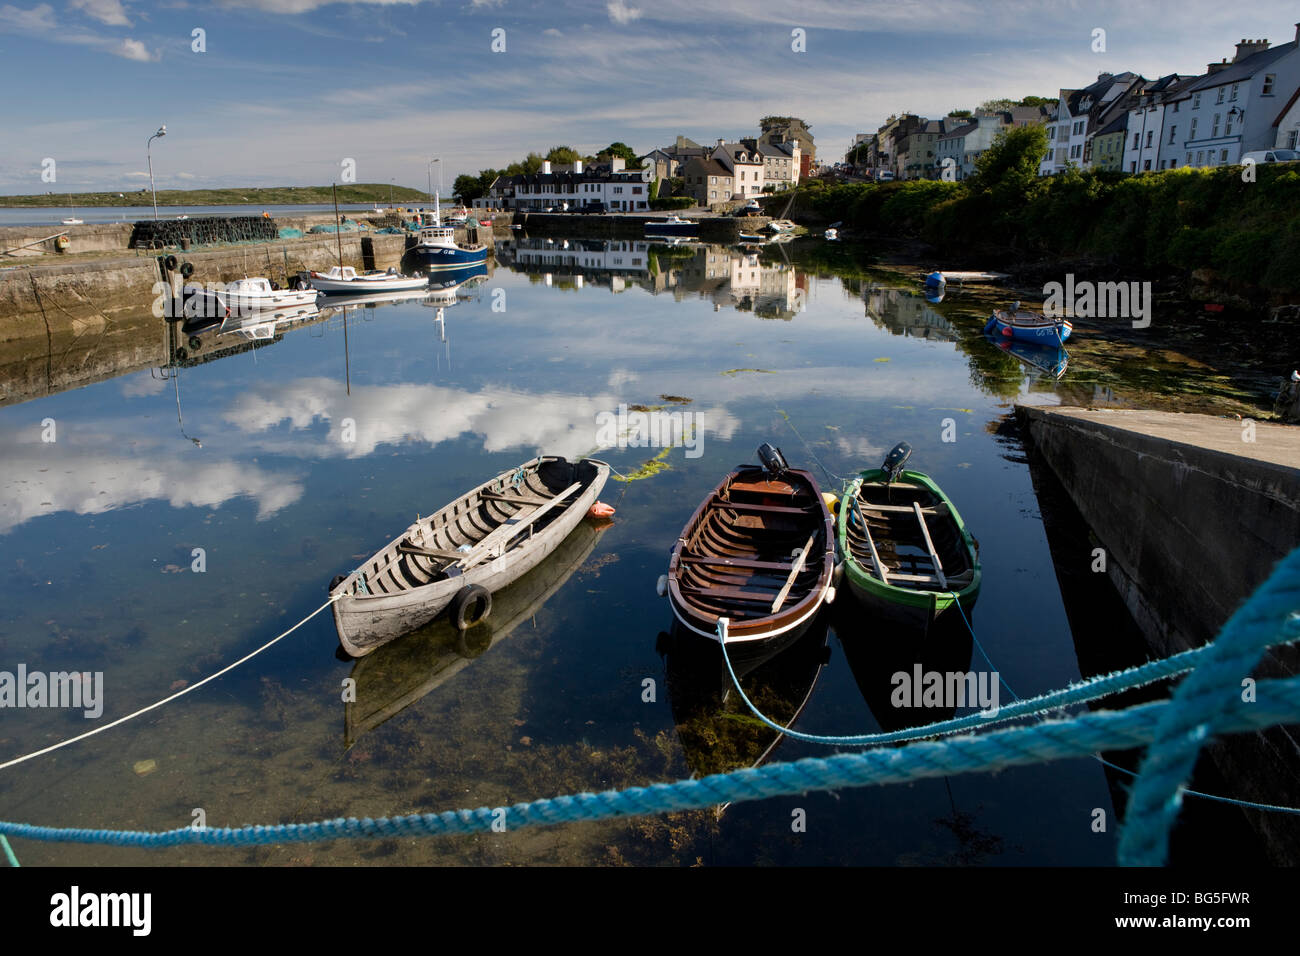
455	559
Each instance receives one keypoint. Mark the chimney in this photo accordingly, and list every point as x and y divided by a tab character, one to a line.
617	164
1104	76
546	167
1212	68
1249	47
577	167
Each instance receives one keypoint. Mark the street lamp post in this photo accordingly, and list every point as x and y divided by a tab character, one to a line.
162	131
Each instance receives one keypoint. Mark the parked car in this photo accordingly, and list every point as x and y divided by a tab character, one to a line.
885	176
1272	156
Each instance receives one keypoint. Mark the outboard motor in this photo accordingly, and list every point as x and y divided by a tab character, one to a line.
895	460
773	461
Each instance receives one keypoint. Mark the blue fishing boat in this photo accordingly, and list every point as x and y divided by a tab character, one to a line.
1023	326
438	250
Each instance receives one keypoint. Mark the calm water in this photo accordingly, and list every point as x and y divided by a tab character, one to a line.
54	215
98	529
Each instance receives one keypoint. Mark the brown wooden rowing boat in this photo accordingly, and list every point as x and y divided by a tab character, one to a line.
759	551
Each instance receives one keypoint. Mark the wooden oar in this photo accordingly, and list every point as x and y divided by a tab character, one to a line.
934	555
794	572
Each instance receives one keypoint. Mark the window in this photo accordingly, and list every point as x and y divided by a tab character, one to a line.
1234	91
1150	133
713	194
1219	98
1267	89
1189	159
1078	127
1133	166
636	190
1214	127
1200	157
1146	166
1076	152
1137	140
1177	103
1293	139
1194	122
1173	163
1196	101
1172	131
1223	157
1227	125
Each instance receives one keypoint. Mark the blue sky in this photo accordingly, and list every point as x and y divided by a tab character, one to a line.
288	89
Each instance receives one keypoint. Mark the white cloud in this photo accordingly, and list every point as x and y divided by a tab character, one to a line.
105	11
134	50
620	12
35	20
552	32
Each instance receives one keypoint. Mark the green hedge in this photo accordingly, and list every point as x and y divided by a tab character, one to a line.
1177	220
672	202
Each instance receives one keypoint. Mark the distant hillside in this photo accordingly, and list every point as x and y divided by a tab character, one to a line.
253	196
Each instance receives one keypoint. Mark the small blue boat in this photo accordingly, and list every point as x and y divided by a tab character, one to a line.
1028	327
1052	359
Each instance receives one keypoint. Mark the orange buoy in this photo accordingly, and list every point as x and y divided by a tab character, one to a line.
601	510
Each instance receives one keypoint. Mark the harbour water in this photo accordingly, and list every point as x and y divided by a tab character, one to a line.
132	549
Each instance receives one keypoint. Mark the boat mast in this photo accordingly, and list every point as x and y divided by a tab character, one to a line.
338	226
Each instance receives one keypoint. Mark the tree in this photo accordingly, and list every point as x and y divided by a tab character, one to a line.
468	188
620	150
654	190
964	113
1008	170
563	154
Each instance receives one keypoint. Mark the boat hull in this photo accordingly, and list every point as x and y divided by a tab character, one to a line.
442	258
366	621
1054	333
914	607
363	286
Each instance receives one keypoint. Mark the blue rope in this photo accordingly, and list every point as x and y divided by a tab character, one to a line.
1278	701
1198	710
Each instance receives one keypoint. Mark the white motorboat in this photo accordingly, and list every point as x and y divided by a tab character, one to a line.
831	234
74	222
781	225
243	297
347	281
674	225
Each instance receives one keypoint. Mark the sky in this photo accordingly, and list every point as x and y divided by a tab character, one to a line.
285	92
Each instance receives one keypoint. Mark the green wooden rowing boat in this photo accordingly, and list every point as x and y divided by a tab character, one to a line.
904	548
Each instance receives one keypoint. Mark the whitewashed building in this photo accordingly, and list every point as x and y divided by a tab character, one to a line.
1235	106
1076	119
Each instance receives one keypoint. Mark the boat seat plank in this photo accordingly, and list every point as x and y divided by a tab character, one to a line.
737	562
933	510
763	597
719	503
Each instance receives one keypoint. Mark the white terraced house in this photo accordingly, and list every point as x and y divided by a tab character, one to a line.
615	189
1077	117
1234	108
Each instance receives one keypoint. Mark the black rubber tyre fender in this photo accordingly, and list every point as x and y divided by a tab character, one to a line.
196	343
187	269
171	262
181	355
337	580
463	611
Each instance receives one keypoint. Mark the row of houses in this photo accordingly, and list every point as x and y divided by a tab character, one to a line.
1122	121
776	159
914	147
